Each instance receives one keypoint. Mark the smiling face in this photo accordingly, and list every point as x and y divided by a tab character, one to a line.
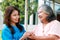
42	14
14	16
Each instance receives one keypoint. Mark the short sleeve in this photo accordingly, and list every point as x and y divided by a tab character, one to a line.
55	29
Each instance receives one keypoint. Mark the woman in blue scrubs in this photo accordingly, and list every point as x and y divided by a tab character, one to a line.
12	30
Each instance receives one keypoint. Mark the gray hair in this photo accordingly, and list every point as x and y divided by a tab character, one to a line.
48	9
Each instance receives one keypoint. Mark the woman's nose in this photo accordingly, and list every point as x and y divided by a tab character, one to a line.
17	16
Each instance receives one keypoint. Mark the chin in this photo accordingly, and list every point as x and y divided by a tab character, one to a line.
16	22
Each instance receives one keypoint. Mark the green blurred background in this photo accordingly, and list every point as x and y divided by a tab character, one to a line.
20	4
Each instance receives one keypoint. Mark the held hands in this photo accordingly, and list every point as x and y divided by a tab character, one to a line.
31	36
26	34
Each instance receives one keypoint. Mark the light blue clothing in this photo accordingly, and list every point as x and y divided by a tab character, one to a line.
6	33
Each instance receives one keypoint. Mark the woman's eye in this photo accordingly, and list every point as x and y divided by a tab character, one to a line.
14	15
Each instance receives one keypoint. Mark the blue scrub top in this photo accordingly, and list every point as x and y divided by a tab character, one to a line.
6	33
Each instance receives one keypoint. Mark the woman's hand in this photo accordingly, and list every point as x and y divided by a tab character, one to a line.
31	36
26	34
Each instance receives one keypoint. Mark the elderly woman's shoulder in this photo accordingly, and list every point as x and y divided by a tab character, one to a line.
56	21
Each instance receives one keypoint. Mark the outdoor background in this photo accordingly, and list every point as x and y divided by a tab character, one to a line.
31	7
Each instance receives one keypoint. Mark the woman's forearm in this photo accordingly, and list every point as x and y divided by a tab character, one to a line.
22	38
45	38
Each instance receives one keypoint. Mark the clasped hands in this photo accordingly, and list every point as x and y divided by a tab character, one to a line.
30	35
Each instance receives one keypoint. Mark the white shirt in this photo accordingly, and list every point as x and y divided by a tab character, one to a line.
51	28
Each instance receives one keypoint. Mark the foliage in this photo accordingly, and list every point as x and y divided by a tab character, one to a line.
18	3
21	5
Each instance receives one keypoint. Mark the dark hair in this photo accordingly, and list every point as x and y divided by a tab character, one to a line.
58	14
7	21
51	16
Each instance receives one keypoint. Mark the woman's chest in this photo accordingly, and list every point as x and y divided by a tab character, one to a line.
42	31
17	35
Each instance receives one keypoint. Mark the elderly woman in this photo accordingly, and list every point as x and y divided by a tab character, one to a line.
49	27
